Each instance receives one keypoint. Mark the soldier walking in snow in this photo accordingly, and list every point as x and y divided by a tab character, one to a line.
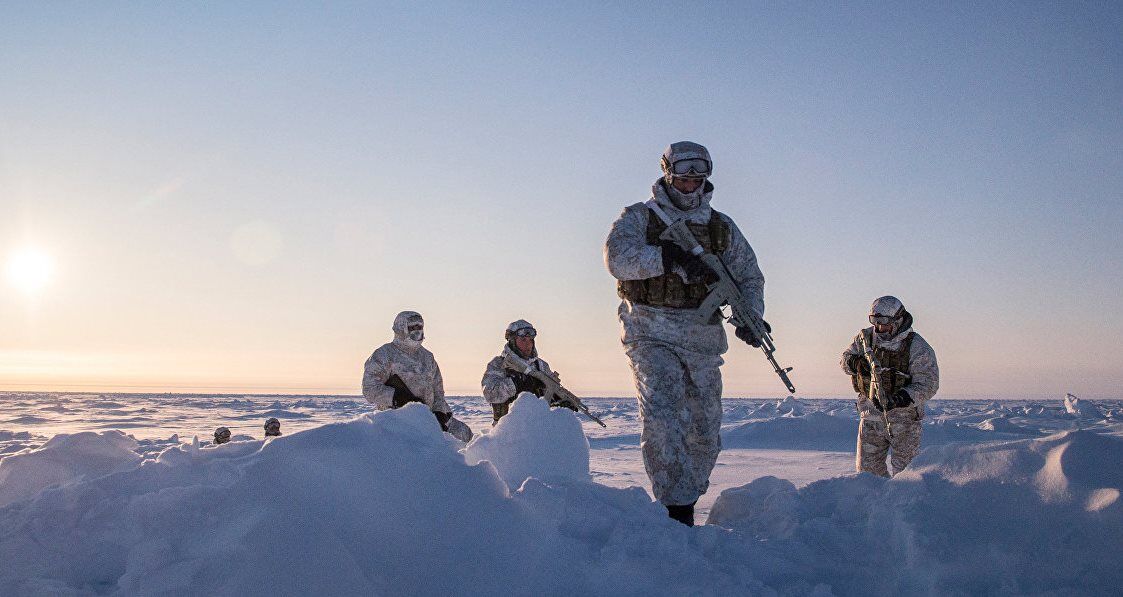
402	371
674	356
504	379
890	400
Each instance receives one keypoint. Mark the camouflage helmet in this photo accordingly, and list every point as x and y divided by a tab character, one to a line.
696	160
887	307
221	435
887	310
515	326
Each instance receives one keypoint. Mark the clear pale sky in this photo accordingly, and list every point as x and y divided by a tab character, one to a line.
240	197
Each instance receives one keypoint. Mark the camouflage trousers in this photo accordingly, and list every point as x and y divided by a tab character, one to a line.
680	415
874	444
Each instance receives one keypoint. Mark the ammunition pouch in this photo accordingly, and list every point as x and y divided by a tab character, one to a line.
669	289
897	360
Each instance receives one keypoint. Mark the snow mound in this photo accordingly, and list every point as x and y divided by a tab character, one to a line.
789	407
66	458
275	413
813	431
379	505
1002	424
765	508
1072	404
962	519
835	433
28	420
1082	409
533	440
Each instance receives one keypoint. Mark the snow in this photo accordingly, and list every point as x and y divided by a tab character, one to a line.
1006	498
63	460
1018	517
382	504
533	441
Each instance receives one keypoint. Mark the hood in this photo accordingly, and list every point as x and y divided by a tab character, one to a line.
698	215
401	330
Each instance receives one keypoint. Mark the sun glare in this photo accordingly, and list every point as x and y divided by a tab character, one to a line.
29	270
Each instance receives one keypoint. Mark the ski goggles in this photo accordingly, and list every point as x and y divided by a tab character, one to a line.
882	319
525	332
691	167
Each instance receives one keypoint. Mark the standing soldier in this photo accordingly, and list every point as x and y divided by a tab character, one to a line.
907	375
504	379
674	356
402	371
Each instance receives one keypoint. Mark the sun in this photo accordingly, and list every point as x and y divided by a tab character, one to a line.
29	270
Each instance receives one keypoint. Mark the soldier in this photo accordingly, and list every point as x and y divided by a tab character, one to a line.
502	383
908	377
272	427
221	435
675	358
402	371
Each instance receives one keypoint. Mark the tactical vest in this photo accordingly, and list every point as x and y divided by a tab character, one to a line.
669	289
898	360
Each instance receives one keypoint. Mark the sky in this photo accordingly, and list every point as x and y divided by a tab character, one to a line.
239	197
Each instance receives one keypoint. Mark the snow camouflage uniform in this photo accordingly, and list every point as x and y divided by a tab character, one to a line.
411	362
674	358
907	352
501	385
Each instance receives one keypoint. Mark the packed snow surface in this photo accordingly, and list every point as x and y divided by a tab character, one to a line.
1007	498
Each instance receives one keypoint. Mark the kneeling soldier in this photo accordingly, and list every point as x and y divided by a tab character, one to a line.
503	380
403	371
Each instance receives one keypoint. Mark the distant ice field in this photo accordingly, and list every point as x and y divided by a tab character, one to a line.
798	440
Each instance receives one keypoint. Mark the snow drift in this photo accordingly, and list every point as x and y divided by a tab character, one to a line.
838	433
1020	517
65	459
387	504
382	504
535	442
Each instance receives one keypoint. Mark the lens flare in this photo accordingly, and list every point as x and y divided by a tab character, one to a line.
29	270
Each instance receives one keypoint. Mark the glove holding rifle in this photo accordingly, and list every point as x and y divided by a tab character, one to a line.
723	290
747	335
555	392
695	268
403	396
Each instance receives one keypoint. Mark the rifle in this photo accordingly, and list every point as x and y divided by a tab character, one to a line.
876	394
722	292
554	390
